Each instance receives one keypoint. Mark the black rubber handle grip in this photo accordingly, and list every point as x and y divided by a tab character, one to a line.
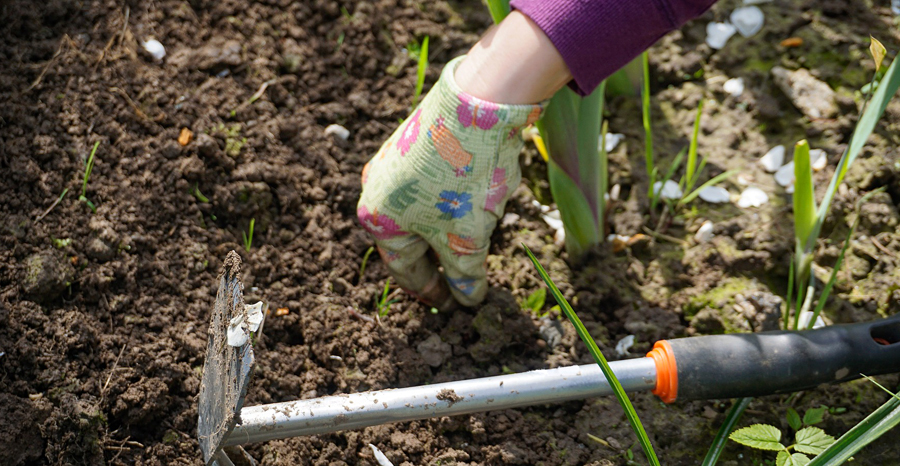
739	365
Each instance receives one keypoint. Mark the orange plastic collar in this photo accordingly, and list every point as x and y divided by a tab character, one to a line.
666	371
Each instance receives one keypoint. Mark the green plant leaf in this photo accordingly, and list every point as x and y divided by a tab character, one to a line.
734	415
535	301
759	436
804	197
786	459
873	426
499	9
814	415
619	392
690	171
793	419
420	71
812	440
648	130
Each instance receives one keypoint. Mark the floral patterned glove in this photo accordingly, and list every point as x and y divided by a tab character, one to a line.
440	182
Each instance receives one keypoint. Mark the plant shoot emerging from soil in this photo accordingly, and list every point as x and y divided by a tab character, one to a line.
248	235
88	168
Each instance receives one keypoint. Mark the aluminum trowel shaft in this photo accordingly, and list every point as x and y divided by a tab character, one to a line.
354	411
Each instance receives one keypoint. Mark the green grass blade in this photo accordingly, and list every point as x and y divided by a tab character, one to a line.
645	113
712	182
823	297
675	164
785	320
420	71
601	361
365	260
888	86
734	415
873	426
604	176
690	177
499	9
804	198
88	168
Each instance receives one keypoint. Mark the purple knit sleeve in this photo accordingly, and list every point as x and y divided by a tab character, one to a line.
597	37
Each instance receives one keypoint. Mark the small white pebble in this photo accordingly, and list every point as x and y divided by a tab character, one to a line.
734	86
624	345
379	456
669	190
705	232
817	159
717	34
612	140
337	130
785	175
155	48
509	219
774	159
714	194
752	197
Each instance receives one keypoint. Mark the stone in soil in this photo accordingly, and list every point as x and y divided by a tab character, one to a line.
812	97
46	275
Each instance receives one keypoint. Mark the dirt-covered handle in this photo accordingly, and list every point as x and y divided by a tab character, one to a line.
741	365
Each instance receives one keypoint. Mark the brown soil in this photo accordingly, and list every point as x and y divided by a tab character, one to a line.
104	314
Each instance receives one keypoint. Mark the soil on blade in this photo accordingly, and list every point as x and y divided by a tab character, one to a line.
105	312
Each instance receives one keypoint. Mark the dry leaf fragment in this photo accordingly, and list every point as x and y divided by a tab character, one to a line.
282	311
185	137
792	42
878	51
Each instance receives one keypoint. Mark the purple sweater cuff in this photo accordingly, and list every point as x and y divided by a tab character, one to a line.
596	38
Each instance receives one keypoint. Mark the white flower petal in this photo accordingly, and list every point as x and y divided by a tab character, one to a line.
705	232
806	316
155	48
237	331
784	176
624	344
734	86
612	140
717	34
615	191
714	194
817	159
337	130
379	456
669	190
748	20
752	197
254	315
774	159
554	223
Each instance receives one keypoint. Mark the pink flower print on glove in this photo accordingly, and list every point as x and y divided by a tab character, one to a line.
497	191
476	112
410	133
380	226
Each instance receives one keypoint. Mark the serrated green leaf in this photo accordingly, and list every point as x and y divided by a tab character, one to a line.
759	436
793	419
786	459
812	440
814	416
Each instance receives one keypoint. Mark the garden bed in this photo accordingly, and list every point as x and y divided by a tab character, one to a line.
104	314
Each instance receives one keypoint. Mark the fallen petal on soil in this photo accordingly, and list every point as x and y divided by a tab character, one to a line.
785	175
734	86
774	159
670	190
748	20
624	345
705	233
337	130
717	34
379	456
714	194
752	197
155	48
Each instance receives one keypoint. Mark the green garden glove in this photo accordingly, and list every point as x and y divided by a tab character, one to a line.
440	182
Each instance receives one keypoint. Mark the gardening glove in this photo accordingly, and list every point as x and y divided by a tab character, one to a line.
440	182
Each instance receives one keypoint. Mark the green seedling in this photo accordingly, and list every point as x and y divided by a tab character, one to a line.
648	130
535	302
196	192
248	235
60	243
420	71
365	260
807	441
88	167
384	305
630	413
865	432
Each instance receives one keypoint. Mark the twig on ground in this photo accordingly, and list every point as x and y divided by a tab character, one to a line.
112	39
62	43
253	98
113	370
668	238
140	113
55	203
882	248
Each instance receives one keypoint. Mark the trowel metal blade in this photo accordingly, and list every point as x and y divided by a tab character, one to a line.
226	371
